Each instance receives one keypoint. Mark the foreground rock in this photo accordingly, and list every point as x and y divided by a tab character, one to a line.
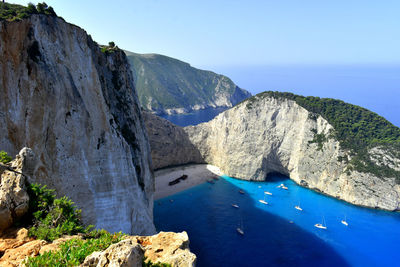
270	135
14	199
77	108
125	253
16	246
165	247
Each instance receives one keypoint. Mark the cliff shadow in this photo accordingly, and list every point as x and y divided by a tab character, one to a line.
170	144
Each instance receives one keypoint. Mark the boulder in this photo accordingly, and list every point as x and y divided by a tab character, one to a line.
14	199
126	253
164	247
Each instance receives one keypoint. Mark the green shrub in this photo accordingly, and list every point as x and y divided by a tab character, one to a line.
73	252
111	48
13	12
52	217
4	157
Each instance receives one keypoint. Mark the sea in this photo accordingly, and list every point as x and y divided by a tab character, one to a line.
277	234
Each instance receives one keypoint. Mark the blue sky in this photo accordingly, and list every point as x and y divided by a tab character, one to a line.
233	32
327	48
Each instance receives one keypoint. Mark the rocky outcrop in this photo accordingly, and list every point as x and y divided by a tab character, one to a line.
14	198
169	86
170	144
270	135
125	253
77	108
165	247
16	246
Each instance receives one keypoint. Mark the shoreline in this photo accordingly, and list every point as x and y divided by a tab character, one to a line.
197	174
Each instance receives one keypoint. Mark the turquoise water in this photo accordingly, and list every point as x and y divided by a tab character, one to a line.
277	234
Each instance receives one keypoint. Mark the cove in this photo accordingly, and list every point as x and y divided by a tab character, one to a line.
277	234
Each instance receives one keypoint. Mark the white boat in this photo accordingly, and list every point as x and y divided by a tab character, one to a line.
284	187
263	201
268	193
280	185
240	228
345	221
321	226
298	208
240	231
235	206
259	186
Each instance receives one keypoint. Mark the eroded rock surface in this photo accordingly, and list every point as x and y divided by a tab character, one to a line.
165	247
125	253
77	108
16	246
14	198
170	144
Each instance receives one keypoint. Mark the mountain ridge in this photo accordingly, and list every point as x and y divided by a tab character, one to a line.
167	85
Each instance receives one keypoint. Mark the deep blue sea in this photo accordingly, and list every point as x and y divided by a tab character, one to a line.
277	234
194	118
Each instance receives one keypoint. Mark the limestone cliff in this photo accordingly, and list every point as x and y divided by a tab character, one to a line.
170	144
77	108
268	134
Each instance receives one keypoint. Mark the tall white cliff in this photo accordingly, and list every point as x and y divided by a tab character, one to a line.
77	108
270	135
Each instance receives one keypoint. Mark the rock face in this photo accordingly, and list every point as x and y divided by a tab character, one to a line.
276	135
170	144
16	245
167	85
125	253
14	199
165	247
77	108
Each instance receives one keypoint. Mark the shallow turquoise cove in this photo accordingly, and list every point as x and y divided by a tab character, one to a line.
277	234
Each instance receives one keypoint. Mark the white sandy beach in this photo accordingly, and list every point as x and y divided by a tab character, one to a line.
197	174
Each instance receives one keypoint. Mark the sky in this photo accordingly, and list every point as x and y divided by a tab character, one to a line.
300	46
244	33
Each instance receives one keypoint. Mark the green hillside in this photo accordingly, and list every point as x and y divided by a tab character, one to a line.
166	83
357	129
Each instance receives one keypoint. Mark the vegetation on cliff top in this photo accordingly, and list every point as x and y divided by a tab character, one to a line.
356	128
13	12
164	83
